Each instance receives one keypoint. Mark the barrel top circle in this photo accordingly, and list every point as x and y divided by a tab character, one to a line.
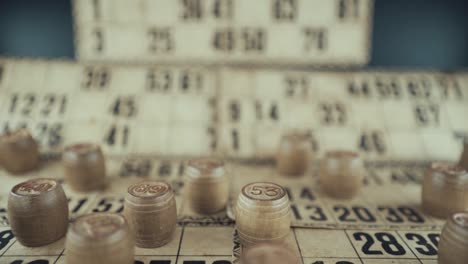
149	189
263	191
98	225
34	187
448	168
82	148
205	168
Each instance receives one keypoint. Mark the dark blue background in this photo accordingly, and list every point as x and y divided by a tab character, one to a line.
407	33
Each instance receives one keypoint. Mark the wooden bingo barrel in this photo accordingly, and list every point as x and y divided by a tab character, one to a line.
207	185
464	157
269	253
150	209
262	213
453	244
85	168
341	174
293	154
19	151
445	189
99	238
38	212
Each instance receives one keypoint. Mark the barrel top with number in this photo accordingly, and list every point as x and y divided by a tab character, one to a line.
34	187
150	192
263	191
98	226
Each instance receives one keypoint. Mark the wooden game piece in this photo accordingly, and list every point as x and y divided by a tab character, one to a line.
85	168
464	157
38	212
293	155
207	185
341	174
453	242
99	238
150	209
19	152
262	213
269	253
445	189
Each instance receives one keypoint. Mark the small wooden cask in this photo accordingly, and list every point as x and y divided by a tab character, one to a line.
38	212
262	213
150	209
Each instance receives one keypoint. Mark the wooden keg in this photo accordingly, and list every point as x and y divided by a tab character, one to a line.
150	209
38	212
99	238
293	154
19	152
207	185
85	168
464	157
269	253
262	213
445	189
453	244
341	174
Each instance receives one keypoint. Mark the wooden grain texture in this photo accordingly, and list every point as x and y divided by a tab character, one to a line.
294	154
85	168
262	213
269	253
38	212
207	185
150	209
341	174
19	152
445	189
99	238
453	244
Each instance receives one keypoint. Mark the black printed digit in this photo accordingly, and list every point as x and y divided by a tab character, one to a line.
427	114
348	9
392	214
424	246
124	106
99	38
316	213
192	10
106	204
160	40
354	214
117	135
159	80
372	141
361	89
235	111
79	205
315	39
5	237
222	9
390	244
369	242
95	78
285	10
